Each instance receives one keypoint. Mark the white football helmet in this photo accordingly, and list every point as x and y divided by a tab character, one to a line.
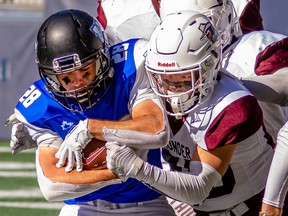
183	59
221	12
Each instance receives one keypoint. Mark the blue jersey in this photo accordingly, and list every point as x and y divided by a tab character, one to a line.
41	110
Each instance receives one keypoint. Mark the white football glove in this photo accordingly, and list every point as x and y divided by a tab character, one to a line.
123	161
20	138
72	147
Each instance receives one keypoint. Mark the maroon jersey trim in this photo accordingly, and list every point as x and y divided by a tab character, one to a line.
235	123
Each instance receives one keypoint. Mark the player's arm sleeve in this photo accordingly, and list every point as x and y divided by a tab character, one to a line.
269	88
277	182
192	188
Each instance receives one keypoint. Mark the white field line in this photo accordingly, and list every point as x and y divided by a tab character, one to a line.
37	205
29	193
18	174
16	165
26	193
7	149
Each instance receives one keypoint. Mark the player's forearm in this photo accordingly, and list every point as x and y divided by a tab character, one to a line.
47	162
57	185
140	127
146	124
277	182
84	177
59	191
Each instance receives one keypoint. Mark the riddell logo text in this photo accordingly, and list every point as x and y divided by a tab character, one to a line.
166	64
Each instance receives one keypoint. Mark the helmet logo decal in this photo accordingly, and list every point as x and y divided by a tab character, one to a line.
95	30
166	64
208	31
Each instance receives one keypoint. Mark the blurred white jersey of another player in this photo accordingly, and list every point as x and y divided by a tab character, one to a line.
241	59
128	19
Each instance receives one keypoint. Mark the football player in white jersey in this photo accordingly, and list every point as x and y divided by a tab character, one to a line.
233	19
246	12
82	77
219	151
255	54
273	89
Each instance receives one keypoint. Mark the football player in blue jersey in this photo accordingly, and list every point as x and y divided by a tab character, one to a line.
101	92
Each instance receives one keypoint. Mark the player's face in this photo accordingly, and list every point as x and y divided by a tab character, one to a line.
78	78
178	82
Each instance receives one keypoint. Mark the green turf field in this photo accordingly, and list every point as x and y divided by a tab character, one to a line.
19	191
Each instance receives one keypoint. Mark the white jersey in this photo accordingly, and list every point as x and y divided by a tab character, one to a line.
249	16
231	115
247	11
128	19
247	57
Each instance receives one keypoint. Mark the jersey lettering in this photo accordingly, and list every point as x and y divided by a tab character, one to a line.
179	149
30	96
119	53
228	183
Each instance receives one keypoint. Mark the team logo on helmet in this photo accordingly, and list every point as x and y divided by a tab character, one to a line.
208	30
95	29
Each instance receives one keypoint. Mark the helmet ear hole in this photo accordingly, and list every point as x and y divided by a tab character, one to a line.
209	62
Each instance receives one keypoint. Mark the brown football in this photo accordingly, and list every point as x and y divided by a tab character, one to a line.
94	155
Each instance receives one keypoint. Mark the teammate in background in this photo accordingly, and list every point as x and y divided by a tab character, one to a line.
247	14
219	151
256	54
273	89
126	19
81	77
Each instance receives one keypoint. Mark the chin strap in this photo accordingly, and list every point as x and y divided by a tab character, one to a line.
182	103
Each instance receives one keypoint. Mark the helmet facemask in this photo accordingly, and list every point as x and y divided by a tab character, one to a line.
84	97
183	96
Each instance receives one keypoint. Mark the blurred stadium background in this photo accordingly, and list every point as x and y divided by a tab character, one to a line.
19	191
19	22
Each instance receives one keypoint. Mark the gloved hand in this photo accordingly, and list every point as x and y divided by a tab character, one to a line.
20	138
123	161
72	147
